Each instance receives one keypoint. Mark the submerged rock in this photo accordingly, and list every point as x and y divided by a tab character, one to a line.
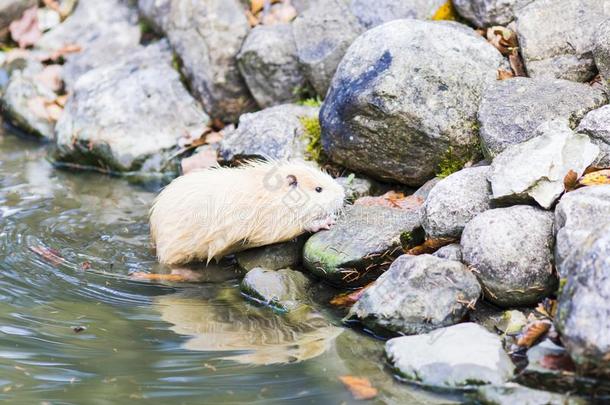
405	98
537	168
512	109
272	257
455	200
361	245
323	33
484	13
128	117
416	295
284	290
373	13
556	37
207	36
596	124
275	132
512	393
510	250
269	64
463	355
578	213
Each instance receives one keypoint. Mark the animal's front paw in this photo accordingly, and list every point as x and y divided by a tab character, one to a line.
320	224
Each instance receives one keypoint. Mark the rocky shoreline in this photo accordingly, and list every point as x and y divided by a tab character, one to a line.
475	153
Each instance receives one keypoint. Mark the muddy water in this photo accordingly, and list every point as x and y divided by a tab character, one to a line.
75	328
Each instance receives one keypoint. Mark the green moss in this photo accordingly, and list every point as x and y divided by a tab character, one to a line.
310	102
312	133
454	159
306	95
145	27
406	239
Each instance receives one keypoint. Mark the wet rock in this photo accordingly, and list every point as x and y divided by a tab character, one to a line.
484	13
536	168
601	51
511	250
284	290
373	13
457	356
323	33
275	132
156	13
556	37
361	245
12	10
577	214
596	124
269	64
416	295
455	200
452	251
273	257
207	36
23	101
512	109
105	31
405	97
355	187
512	393
128	117
583	316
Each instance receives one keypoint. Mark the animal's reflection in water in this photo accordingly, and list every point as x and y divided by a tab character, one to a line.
218	319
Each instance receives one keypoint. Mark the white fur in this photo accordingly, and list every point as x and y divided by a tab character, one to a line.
211	213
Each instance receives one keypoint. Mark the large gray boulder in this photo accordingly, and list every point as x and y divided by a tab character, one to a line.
373	13
536	169
416	295
105	31
455	200
323	33
275	132
361	245
578	214
273	257
484	13
512	109
556	37
511	251
583	316
601	51
11	10
405	98
458	356
511	393
207	36
596	124
128	117
283	290
156	13
269	64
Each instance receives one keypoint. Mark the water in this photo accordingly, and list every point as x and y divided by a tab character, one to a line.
76	328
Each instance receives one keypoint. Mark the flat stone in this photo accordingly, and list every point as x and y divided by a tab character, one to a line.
272	257
284	290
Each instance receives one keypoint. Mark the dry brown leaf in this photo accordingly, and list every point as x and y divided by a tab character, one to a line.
505	74
430	246
597	178
392	199
570	181
256	6
349	299
548	308
361	388
516	63
532	332
203	159
252	19
26	31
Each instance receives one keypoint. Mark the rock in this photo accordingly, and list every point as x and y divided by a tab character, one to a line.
284	290
23	101
370	14
485	13
128	117
596	124
405	98
355	187
583	316
512	109
269	64
322	34
12	10
579	213
424	191
273	257
207	36
537	168
156	13
105	31
416	295
452	251
458	356
512	393
454	201
601	51
511	250
361	245
556	37
275	132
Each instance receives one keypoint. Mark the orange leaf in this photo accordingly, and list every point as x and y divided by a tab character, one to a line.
533	332
391	199
360	387
505	74
597	178
430	246
570	181
256	6
349	299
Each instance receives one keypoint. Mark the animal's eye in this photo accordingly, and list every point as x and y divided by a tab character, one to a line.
319	189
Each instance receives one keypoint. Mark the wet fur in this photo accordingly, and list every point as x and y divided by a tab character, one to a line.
211	213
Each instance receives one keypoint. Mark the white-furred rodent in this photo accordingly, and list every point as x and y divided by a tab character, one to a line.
214	212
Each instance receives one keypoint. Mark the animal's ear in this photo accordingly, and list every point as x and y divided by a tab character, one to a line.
292	180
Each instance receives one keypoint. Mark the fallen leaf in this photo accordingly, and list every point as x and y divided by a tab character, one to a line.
349	299
597	178
360	387
503	39
532	332
430	246
63	51
172	278
561	362
391	199
252	20
25	31
570	181
516	63
203	159
48	254
548	308
256	6
505	74
445	12
592	169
